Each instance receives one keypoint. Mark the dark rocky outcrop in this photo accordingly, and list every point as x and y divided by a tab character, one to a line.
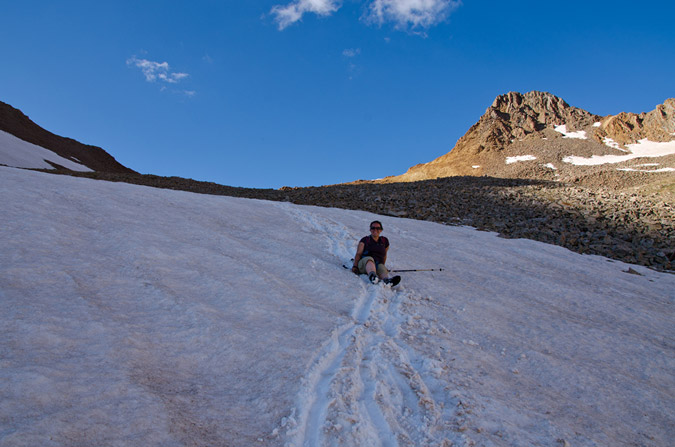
13	121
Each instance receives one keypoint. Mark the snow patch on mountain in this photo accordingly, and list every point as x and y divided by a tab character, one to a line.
18	153
613	144
580	134
642	149
510	160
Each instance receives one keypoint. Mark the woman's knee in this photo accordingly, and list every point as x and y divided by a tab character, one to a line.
363	262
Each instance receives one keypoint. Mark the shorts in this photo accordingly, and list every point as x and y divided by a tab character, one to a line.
380	268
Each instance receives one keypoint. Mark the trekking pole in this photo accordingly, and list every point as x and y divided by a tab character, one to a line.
405	270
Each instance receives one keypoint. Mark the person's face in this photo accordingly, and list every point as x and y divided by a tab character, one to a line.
375	229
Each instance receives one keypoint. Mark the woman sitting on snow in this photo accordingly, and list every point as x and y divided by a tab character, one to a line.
371	255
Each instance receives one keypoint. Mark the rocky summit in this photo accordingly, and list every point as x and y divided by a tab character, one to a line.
538	135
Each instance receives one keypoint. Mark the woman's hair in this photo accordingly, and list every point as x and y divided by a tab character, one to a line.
377	222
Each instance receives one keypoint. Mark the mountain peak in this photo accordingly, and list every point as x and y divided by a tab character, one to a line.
532	98
543	127
522	114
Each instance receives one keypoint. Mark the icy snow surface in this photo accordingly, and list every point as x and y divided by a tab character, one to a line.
22	154
147	317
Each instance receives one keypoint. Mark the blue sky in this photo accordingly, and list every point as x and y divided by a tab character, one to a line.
312	92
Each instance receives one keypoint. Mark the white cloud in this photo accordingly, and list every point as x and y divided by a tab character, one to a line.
413	14
351	52
154	71
405	14
293	12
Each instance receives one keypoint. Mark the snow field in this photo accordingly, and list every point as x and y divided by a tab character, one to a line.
137	316
177	296
362	388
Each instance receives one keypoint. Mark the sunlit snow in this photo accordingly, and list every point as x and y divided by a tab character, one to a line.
518	158
140	316
579	134
613	144
642	149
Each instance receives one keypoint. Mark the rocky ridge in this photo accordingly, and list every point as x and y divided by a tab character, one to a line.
627	128
13	121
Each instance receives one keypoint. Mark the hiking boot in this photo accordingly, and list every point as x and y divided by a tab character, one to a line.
373	278
392	281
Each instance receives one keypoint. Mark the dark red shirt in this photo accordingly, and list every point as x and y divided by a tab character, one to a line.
375	249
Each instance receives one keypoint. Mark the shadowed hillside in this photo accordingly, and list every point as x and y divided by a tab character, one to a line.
13	121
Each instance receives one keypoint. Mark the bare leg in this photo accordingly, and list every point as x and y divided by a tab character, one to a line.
382	274
370	267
